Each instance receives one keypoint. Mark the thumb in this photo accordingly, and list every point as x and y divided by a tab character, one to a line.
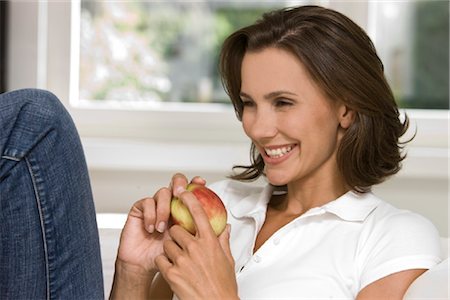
224	240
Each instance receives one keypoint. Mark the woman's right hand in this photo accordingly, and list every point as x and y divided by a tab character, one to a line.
145	229
142	241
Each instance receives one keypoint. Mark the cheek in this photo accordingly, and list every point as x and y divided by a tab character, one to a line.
327	121
327	139
320	131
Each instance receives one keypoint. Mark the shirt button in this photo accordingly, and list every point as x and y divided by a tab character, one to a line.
257	259
276	241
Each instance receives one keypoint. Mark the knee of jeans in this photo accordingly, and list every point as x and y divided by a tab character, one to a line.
48	104
38	113
46	107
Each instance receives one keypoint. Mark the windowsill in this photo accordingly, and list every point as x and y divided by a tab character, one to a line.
128	155
180	140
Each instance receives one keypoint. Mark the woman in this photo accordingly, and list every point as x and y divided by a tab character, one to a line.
309	89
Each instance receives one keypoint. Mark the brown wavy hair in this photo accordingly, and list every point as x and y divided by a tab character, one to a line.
342	60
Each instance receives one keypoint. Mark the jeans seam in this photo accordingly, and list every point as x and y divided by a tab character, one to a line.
11	158
41	220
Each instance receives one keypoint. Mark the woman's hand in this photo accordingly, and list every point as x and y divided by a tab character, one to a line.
145	229
143	236
200	266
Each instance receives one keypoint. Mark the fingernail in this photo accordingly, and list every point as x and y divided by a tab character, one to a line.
179	190
161	227
201	178
151	228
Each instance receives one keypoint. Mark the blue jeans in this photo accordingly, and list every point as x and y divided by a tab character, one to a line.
49	243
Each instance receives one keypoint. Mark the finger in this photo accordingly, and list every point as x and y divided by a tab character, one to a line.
162	198
224	240
199	216
163	264
178	184
145	209
172	250
198	180
180	236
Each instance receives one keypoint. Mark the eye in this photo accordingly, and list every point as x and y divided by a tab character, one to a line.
247	103
282	102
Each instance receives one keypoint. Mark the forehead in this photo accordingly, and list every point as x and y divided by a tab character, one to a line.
271	59
273	69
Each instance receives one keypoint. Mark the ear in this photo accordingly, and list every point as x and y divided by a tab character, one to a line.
345	116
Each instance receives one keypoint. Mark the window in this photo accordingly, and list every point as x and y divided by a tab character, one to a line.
412	38
157	51
52	58
147	53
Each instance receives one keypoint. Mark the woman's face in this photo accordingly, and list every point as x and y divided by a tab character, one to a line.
292	124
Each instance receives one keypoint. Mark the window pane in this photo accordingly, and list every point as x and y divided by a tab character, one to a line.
412	39
157	51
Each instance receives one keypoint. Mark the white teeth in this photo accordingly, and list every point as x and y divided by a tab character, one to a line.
279	152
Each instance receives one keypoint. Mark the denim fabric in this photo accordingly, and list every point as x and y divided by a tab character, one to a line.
49	244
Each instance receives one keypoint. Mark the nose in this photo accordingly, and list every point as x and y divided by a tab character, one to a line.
261	125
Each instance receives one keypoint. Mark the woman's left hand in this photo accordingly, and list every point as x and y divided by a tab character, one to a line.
200	266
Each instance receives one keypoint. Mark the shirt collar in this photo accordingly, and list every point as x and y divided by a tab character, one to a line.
252	204
351	206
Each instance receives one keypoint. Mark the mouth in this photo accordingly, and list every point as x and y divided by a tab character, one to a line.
278	151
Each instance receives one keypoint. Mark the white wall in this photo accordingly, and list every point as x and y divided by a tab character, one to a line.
125	167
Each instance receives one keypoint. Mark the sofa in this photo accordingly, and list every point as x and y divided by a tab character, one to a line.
433	284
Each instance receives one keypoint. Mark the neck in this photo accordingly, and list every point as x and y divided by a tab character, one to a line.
301	197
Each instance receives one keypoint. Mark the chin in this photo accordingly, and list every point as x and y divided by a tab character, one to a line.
277	180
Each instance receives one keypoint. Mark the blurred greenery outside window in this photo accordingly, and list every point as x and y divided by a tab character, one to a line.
148	51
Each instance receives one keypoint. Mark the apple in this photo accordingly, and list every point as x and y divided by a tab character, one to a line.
211	203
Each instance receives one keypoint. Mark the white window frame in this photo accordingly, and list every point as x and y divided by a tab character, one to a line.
161	121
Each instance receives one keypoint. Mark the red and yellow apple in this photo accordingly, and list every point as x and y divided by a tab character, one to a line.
211	203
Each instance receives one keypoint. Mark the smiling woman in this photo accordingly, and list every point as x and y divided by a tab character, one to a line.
277	96
310	91
267	80
132	149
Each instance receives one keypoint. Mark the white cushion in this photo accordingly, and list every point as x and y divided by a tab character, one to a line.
110	227
434	283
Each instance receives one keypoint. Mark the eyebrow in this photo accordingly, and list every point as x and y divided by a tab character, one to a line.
270	95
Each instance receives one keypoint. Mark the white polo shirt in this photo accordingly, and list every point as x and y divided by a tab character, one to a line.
329	252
